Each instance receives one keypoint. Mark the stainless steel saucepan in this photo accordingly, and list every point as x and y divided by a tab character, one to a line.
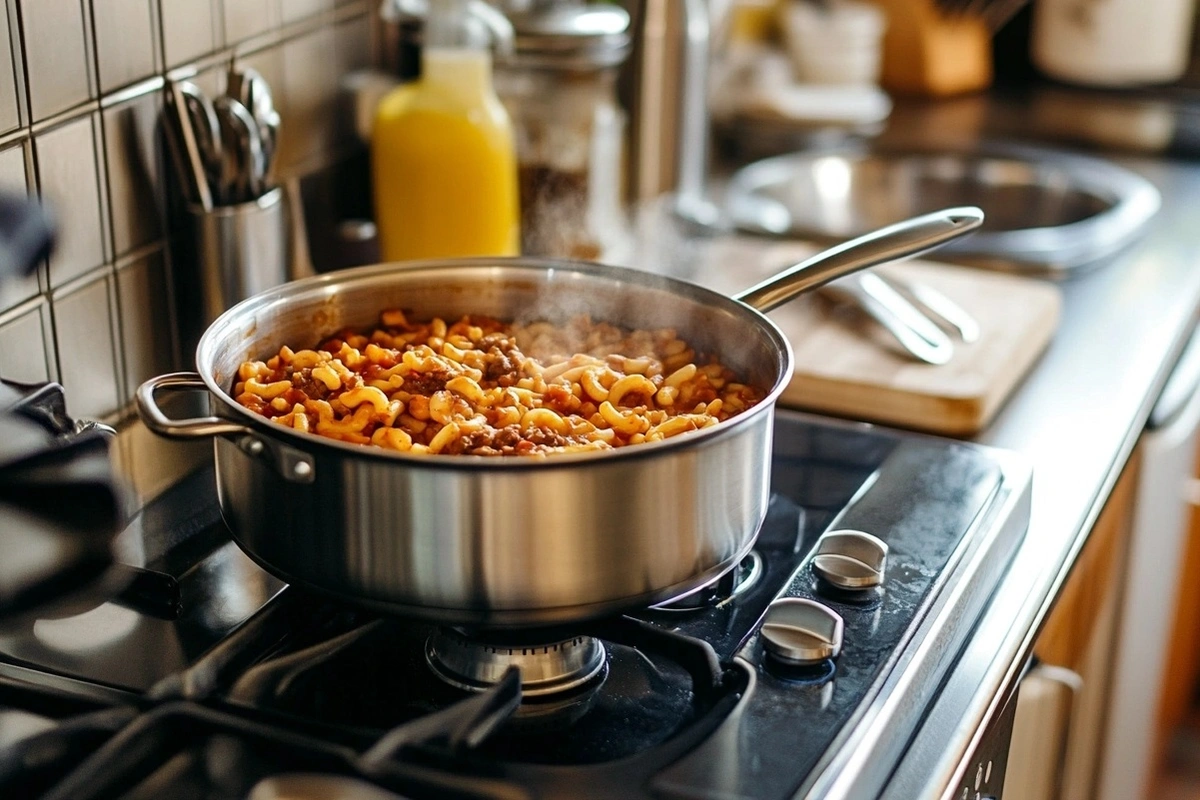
508	541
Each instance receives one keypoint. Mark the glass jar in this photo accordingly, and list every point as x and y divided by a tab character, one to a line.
560	90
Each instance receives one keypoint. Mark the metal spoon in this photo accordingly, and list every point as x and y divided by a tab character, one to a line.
243	176
182	138
205	128
250	88
262	107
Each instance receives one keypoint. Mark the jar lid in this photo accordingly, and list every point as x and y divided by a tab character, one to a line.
571	37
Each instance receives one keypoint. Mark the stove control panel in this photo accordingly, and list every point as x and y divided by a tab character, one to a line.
850	560
801	632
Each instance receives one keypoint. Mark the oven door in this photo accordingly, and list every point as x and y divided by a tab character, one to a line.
1038	756
1024	751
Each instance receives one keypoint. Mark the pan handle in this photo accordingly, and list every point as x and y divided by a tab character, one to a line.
160	423
902	240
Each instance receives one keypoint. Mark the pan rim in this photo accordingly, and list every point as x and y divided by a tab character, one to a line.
329	283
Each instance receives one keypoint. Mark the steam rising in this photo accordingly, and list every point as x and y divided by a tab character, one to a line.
530	294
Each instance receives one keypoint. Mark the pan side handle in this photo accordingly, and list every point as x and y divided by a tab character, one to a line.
194	428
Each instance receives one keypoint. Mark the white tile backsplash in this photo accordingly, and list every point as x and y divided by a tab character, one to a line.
13	178
56	54
83	334
299	9
9	109
81	110
67	174
134	172
22	345
246	18
145	302
188	30
126	48
310	89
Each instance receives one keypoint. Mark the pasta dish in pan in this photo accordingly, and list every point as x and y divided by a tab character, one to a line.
479	386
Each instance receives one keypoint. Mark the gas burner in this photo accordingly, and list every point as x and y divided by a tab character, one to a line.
685	700
729	585
554	676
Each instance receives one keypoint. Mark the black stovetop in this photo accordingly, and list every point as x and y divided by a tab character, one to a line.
208	676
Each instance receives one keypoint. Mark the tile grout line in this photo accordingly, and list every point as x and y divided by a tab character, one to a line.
28	129
33	180
163	245
116	322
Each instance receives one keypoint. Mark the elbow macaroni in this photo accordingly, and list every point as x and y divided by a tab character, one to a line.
481	387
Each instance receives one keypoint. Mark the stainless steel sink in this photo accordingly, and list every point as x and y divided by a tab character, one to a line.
1046	210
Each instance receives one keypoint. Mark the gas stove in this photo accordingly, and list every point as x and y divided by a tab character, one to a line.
799	673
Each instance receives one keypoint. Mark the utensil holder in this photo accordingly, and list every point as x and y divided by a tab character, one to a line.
231	253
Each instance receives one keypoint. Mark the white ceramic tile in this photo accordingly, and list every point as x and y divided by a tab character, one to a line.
187	30
310	89
299	9
352	48
9	116
134	175
56	54
23	347
124	41
145	303
352	44
83	333
12	178
67	172
246	18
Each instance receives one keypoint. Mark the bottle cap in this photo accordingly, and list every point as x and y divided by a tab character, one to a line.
571	37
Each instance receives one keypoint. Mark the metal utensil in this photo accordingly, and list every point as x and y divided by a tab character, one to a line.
941	309
244	163
205	128
880	300
262	107
185	149
477	540
915	314
250	88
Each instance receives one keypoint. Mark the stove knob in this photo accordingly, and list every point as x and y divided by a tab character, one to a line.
851	559
802	632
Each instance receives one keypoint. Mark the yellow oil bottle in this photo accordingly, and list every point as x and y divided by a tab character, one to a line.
444	164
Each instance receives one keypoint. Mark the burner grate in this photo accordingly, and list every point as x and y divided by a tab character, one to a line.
45	732
247	688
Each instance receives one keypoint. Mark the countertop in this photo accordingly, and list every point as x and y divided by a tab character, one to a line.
1076	418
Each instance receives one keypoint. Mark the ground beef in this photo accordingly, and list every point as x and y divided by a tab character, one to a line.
304	382
426	383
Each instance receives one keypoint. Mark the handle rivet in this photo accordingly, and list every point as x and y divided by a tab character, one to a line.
302	469
255	447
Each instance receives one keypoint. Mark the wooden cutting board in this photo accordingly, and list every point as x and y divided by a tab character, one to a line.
847	366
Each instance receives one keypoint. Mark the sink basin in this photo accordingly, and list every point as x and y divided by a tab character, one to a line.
1046	210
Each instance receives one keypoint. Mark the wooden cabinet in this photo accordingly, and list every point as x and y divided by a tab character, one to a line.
1057	735
1182	678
